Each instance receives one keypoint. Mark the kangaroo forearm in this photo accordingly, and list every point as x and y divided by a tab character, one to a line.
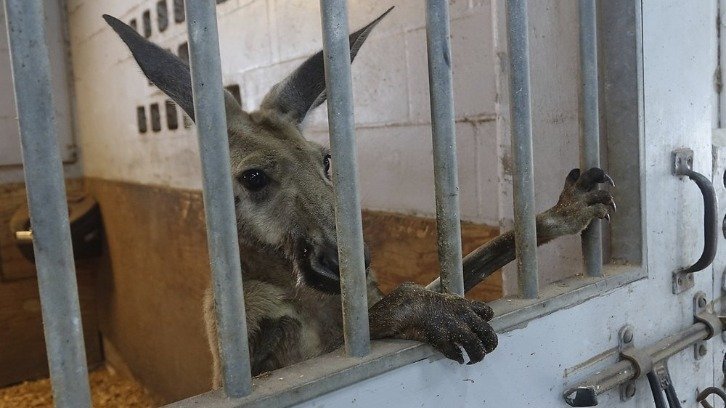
492	256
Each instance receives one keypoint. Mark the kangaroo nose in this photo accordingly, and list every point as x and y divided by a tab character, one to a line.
329	260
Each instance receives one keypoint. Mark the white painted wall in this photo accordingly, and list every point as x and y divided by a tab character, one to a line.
10	153
263	40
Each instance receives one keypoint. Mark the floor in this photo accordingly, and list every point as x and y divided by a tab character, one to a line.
108	389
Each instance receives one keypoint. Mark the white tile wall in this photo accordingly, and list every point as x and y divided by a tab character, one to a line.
262	40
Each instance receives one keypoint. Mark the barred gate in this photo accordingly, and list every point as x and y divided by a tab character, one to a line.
50	227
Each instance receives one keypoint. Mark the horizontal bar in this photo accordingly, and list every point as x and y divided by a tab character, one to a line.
47	202
219	209
590	125
525	228
348	222
441	92
625	370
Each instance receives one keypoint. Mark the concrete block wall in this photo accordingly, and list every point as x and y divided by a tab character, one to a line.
263	40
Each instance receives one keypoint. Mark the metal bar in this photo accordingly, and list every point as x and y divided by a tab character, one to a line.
590	125
47	202
625	370
525	227
348	223
224	254
444	141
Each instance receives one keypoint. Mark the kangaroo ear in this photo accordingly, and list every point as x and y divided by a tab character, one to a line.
164	69
304	89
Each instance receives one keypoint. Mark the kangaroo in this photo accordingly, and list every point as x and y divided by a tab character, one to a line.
286	222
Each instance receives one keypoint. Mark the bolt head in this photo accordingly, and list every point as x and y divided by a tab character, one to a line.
627	335
702	302
630	390
702	350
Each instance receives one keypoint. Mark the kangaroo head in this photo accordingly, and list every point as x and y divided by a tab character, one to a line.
282	188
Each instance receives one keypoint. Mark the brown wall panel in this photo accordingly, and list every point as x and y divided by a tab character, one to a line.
151	294
22	345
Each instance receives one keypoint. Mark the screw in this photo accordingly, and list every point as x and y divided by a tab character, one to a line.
702	350
627	335
630	390
680	281
701	302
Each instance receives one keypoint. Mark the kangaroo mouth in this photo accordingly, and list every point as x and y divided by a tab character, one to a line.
319	268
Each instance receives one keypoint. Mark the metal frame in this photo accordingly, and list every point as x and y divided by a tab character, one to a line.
525	224
348	219
444	142
47	203
590	124
362	359
208	93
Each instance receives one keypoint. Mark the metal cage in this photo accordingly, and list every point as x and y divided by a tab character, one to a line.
46	192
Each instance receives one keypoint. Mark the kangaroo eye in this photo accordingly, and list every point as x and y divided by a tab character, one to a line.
254	180
326	164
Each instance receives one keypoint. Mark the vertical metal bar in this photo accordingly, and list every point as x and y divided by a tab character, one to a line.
47	203
525	226
348	223
590	125
211	124
444	142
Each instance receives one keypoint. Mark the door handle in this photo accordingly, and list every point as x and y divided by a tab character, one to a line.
706	393
683	166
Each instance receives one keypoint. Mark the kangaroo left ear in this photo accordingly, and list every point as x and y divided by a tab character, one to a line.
163	68
304	89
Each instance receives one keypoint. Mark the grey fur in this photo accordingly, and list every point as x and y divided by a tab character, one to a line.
287	230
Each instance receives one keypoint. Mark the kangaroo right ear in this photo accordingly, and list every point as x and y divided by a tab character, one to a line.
304	89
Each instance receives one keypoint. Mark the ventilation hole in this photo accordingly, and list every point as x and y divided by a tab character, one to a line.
162	15
134	24
179	15
155	117
183	52
234	90
172	120
146	17
141	119
187	121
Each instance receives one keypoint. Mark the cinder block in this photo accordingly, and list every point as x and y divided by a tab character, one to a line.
245	37
474	66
